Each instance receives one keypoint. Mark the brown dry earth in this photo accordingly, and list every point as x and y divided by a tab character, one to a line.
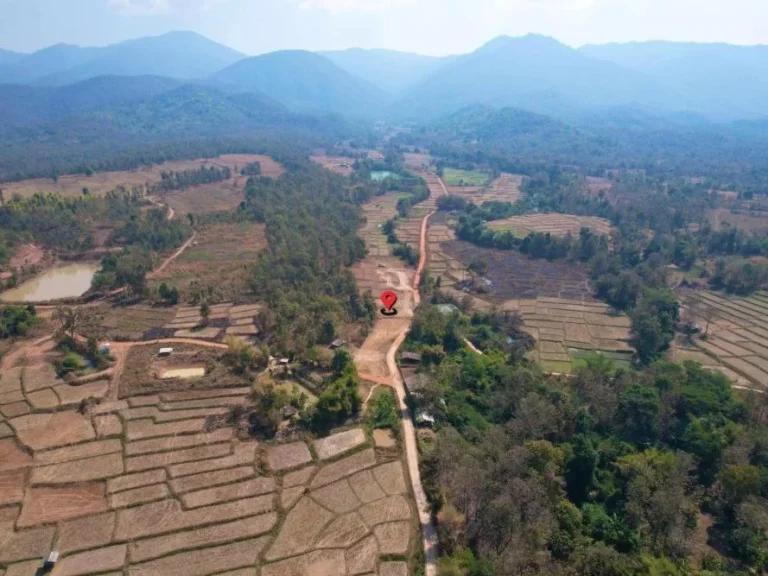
388	334
140	487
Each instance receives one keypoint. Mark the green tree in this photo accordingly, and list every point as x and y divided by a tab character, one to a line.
638	414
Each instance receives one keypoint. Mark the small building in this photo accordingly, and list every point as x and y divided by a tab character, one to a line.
284	361
410	358
338	343
165	352
104	348
417	383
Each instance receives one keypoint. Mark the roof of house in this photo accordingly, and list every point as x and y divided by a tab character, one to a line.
412	356
417	382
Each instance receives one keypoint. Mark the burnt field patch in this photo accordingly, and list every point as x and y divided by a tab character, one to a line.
513	275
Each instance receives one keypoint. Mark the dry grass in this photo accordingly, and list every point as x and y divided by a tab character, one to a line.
749	221
103	182
129	323
555	224
219	257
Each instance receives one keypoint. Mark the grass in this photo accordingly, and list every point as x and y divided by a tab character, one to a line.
454	177
619	360
556	366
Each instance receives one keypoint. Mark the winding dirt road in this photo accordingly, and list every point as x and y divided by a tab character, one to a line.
395	380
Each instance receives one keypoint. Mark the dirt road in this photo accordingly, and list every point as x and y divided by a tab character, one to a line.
172	257
395	380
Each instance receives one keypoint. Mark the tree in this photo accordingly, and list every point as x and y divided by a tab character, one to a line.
479	266
169	295
205	312
638	414
580	469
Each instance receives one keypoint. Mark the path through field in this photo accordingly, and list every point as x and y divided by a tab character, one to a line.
395	380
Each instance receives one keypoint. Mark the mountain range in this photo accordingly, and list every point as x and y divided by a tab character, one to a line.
534	73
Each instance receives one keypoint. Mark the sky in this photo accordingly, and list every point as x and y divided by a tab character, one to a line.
433	27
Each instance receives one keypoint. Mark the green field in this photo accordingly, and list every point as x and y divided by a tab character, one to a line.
454	177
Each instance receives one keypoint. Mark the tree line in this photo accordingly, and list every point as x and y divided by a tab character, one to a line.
606	473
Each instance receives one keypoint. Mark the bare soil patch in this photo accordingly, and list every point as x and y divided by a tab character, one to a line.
513	275
285	456
337	444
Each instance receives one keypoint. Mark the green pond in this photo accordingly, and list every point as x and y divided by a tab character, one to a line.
68	281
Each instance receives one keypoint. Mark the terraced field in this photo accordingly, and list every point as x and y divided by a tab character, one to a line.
567	329
144	486
737	334
555	224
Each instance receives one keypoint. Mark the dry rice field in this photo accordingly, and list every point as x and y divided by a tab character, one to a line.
738	335
143	486
566	329
506	188
555	224
103	182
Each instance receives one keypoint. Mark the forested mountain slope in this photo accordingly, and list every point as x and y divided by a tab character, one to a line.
719	79
304	82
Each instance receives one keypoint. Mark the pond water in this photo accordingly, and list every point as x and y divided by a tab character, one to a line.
381	174
68	281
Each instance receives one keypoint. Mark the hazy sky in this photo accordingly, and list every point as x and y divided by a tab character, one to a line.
426	26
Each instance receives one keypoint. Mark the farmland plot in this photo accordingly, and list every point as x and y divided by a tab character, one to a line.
219	257
505	188
737	336
567	329
141	486
554	224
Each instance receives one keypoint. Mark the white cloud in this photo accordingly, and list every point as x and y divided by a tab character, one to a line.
157	7
337	6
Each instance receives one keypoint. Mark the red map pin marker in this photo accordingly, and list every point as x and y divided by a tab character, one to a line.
389	299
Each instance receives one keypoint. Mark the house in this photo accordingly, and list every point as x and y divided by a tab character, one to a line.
165	352
410	358
284	361
425	419
338	343
417	383
447	309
